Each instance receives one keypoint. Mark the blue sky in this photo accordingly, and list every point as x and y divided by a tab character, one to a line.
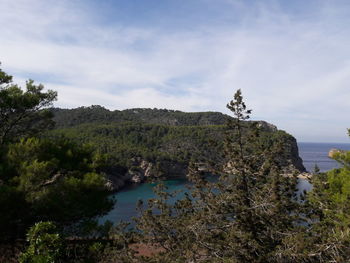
290	58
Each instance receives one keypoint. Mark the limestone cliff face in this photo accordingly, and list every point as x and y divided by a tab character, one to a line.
138	173
296	160
115	182
143	170
291	156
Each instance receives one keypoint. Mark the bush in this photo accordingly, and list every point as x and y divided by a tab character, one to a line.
44	244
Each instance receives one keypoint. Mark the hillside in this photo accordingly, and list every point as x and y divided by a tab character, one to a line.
97	114
148	143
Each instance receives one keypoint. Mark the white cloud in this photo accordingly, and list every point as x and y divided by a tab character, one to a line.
294	73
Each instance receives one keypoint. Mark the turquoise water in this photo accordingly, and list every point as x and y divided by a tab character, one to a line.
125	208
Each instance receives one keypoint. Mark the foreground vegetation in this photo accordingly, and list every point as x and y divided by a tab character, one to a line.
52	187
44	179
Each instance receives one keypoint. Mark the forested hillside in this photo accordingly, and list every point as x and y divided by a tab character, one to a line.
99	114
166	140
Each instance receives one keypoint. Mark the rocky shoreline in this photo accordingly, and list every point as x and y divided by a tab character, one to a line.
142	171
145	171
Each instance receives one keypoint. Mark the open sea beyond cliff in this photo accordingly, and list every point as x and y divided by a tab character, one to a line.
311	153
317	153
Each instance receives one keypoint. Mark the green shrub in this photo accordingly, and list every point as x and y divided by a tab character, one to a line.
44	244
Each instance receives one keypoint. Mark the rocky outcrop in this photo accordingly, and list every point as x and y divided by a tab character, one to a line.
267	126
333	152
138	173
142	170
305	176
115	182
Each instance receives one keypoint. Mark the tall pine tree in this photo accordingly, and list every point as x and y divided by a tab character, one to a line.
250	214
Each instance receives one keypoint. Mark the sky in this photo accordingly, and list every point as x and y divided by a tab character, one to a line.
291	59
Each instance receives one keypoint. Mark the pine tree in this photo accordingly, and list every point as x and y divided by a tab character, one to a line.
23	113
329	200
248	215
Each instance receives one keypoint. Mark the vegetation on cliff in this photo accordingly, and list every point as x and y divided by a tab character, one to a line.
162	137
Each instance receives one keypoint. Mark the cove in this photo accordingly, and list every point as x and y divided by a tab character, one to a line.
126	200
125	207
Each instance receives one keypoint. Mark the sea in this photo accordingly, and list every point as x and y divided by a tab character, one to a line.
317	154
125	208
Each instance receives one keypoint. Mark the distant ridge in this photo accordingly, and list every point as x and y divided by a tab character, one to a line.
66	118
98	114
